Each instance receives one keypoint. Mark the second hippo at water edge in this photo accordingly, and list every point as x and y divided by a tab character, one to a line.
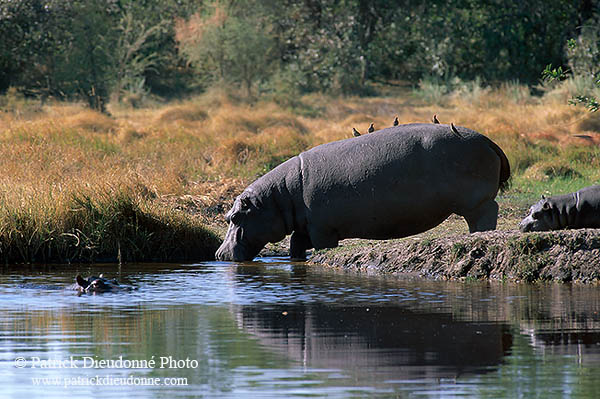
570	211
392	183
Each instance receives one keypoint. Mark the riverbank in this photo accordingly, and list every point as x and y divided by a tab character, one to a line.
506	255
154	183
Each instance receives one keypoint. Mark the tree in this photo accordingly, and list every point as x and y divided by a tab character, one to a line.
583	55
227	47
130	62
85	48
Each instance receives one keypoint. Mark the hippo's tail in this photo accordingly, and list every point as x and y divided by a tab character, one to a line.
504	182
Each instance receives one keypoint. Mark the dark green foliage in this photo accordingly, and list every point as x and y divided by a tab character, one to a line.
75	48
590	103
550	74
93	48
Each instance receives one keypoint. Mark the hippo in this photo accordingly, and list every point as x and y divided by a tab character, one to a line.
569	211
96	285
400	181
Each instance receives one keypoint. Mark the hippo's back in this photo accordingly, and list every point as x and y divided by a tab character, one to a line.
398	181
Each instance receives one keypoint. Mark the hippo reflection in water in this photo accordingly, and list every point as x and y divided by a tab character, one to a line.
97	285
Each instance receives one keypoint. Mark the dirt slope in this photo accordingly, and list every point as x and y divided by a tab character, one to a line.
568	255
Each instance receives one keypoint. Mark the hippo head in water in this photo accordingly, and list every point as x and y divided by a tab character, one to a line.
95	284
253	222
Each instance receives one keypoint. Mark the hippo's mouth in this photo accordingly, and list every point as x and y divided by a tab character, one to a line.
236	252
527	224
530	224
235	248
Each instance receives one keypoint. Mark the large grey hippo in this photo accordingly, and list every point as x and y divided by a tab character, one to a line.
570	211
392	183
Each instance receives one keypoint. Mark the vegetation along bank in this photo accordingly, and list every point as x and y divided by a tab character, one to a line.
128	128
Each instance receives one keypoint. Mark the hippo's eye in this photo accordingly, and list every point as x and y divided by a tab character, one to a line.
235	217
245	203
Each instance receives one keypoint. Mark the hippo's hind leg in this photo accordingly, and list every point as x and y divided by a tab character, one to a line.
299	243
482	218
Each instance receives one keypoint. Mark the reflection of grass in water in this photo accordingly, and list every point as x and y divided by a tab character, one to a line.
208	334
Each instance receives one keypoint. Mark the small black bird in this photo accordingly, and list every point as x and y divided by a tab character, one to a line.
355	132
455	130
435	119
396	121
371	128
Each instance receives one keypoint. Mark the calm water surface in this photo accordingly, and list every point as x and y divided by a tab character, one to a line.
277	329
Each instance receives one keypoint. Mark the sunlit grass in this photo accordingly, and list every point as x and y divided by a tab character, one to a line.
183	163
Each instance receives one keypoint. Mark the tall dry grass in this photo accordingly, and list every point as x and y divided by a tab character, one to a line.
181	164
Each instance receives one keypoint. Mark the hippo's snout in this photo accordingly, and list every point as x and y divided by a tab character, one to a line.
234	248
528	224
227	251
224	252
524	228
231	252
234	252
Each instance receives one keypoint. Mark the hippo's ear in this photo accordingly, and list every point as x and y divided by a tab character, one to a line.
546	206
81	281
543	197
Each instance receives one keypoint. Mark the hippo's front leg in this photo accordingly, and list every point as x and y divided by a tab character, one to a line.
299	243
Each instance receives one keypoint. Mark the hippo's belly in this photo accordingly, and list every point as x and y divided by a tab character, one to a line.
394	216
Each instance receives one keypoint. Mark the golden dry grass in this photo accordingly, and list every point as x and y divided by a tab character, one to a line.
168	149
196	155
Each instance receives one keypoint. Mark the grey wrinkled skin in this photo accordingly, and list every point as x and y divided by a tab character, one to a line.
393	183
576	210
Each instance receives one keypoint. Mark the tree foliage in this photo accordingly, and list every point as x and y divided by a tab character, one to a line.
94	48
226	45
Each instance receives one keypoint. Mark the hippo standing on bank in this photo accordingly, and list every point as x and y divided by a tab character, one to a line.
399	181
570	211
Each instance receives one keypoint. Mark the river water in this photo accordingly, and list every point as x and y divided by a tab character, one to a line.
275	329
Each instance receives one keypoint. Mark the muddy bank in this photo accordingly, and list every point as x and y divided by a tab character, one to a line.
564	256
